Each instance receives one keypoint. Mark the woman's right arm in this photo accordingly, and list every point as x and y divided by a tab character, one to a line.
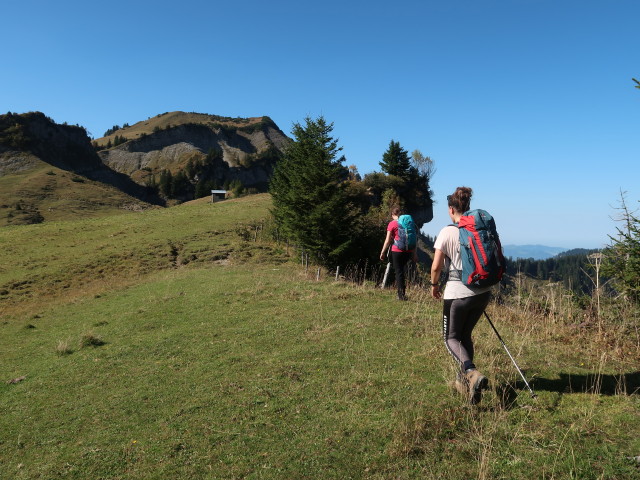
387	243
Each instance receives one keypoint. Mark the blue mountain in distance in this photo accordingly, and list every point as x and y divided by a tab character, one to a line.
537	252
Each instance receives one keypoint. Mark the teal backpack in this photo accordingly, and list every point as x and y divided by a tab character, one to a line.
483	263
407	233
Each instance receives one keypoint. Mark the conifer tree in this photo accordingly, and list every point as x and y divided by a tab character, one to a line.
395	161
310	203
166	183
622	257
180	185
202	189
408	181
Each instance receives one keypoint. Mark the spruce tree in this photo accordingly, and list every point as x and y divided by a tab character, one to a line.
180	186
408	181
622	257
165	184
310	205
396	161
201	189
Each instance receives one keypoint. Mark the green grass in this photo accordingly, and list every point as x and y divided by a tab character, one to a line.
56	195
70	258
242	366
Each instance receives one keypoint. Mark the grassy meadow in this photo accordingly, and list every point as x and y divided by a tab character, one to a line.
184	343
53	194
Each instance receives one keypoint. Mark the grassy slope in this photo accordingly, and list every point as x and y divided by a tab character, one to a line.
58	195
221	360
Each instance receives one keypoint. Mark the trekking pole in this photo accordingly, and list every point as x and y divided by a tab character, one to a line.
533	395
386	272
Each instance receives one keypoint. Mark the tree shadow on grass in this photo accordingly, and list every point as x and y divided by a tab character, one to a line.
601	384
594	383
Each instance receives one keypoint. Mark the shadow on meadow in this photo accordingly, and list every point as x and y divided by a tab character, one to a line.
623	384
594	383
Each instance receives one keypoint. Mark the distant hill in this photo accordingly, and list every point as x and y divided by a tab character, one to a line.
51	172
537	252
572	267
578	252
205	151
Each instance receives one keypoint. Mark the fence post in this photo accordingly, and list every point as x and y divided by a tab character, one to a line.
318	275
337	273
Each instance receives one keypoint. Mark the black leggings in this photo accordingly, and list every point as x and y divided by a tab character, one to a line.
400	260
460	316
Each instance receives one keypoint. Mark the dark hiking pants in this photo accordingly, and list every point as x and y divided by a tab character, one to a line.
460	317
400	261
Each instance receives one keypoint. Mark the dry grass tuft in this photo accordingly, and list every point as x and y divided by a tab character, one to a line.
63	348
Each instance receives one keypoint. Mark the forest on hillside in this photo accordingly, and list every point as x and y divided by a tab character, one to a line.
575	269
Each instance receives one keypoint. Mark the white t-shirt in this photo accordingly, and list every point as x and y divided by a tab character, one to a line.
448	241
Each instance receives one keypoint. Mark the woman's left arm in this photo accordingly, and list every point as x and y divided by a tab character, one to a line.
436	269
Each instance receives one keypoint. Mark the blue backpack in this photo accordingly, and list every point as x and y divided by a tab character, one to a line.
407	233
483	263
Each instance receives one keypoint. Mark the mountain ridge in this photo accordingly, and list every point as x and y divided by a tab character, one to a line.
166	120
219	149
536	251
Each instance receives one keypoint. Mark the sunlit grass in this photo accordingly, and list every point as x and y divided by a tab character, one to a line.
245	366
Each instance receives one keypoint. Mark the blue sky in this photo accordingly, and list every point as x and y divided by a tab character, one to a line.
529	102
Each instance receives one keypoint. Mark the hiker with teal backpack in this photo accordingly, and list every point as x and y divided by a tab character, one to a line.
402	237
470	254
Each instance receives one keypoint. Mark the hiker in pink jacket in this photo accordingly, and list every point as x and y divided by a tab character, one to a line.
399	258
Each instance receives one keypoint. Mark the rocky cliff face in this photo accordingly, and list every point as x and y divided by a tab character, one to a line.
28	138
64	146
244	149
52	172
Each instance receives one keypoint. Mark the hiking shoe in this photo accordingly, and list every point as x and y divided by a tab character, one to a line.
477	382
461	385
